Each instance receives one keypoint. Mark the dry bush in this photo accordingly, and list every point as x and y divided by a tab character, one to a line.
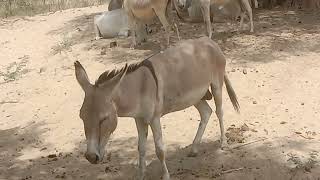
32	7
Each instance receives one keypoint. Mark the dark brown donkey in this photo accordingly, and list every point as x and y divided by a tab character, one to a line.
166	82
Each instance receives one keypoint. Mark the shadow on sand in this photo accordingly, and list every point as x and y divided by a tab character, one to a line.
277	34
259	161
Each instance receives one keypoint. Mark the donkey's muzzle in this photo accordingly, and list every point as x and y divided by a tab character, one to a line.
93	158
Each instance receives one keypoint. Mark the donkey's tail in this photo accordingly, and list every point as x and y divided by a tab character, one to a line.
232	94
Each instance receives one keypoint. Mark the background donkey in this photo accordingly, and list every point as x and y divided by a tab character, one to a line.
166	82
118	4
142	11
111	24
231	8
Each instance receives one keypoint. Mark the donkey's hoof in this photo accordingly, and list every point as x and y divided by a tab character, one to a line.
224	148
166	177
132	46
224	145
139	177
98	38
193	154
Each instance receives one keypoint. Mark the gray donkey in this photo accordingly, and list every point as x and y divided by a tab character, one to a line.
176	79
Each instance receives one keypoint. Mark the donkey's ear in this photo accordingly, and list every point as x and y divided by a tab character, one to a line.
114	83
81	76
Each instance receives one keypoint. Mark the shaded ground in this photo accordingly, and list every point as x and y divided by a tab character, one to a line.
274	71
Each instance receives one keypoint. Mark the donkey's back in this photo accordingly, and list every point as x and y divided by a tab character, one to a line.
185	72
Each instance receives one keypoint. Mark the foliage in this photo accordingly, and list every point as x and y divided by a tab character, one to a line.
32	7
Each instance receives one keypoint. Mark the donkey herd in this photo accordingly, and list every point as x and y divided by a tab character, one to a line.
188	74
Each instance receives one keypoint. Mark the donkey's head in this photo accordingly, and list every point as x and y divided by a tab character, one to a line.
98	112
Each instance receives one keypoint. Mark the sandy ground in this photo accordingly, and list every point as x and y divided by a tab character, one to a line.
275	73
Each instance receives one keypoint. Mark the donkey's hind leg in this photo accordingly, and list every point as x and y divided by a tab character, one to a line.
133	28
161	13
205	9
217	94
242	16
249	11
170	18
205	112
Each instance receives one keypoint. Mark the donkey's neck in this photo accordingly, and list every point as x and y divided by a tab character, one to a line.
124	102
135	93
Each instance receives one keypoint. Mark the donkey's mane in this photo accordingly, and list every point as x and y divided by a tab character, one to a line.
107	75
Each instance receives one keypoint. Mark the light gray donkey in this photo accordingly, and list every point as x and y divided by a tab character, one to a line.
111	24
232	8
176	79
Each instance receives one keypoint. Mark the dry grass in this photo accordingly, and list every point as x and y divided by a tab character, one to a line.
63	45
32	7
15	70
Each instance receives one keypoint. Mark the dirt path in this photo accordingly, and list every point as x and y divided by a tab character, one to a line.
275	73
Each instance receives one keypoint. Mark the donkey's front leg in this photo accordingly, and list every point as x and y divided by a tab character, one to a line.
142	128
160	148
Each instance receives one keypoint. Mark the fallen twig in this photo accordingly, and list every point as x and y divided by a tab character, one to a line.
8	102
231	170
309	138
248	143
226	172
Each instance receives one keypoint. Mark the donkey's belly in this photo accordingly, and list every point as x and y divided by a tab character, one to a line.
180	100
143	13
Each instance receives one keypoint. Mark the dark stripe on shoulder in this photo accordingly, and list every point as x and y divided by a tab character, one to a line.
147	63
